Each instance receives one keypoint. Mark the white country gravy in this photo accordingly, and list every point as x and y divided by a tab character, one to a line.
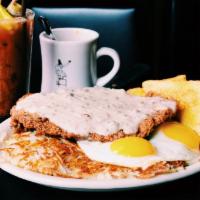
94	110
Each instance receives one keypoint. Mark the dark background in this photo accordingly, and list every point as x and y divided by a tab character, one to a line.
168	32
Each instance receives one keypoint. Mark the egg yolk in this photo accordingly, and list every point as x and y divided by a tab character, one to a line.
181	133
132	147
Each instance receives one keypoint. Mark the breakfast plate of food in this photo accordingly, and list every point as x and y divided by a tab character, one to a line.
105	139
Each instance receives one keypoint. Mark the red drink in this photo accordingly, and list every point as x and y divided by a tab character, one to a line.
15	50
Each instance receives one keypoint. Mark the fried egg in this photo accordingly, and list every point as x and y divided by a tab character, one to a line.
172	141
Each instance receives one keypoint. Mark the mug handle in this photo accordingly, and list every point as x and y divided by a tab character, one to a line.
105	51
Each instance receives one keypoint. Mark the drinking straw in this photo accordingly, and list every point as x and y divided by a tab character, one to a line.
46	27
24	5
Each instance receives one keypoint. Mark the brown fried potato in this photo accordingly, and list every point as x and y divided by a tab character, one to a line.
177	78
186	93
136	91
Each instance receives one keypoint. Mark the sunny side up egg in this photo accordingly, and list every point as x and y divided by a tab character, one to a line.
172	141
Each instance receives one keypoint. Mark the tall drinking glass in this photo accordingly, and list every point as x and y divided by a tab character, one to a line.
15	59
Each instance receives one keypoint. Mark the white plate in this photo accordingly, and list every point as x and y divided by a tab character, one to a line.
88	185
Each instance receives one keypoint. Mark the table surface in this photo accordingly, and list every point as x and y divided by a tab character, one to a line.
15	188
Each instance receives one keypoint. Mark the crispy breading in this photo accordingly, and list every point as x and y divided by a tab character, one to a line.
59	157
23	121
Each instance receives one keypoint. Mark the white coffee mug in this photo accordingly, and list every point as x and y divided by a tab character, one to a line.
70	60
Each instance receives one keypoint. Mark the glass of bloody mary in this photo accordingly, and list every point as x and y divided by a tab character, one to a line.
15	57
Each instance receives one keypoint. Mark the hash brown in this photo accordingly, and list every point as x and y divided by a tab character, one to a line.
58	157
